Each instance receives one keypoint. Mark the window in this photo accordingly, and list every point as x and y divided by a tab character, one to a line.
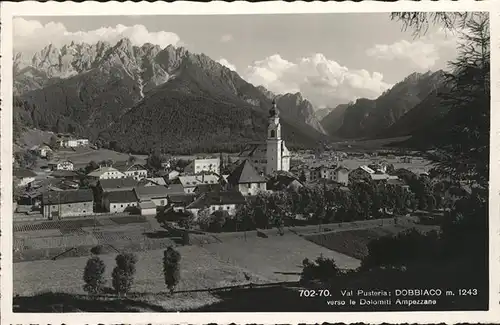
249	185
162	202
227	208
121	205
273	133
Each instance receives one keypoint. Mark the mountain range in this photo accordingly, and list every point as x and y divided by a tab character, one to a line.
148	97
140	98
392	113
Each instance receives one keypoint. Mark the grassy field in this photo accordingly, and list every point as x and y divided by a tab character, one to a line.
276	257
199	270
354	242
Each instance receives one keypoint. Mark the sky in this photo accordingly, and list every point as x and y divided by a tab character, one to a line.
329	58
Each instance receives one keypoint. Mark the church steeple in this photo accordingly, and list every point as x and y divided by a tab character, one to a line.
274	112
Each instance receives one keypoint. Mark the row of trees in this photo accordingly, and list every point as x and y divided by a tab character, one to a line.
124	271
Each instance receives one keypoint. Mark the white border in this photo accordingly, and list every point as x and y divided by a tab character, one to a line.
8	10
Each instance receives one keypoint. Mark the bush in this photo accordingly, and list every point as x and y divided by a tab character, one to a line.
96	250
171	268
123	273
93	275
322	270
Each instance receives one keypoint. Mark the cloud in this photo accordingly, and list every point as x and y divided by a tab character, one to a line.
424	52
31	35
322	81
226	38
227	64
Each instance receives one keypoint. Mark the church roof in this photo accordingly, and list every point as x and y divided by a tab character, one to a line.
245	173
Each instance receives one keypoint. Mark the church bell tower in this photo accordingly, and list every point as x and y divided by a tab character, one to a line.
274	142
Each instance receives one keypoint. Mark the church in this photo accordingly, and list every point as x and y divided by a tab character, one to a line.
273	155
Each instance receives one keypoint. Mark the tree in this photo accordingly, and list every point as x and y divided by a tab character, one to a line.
171	268
123	273
54	143
25	159
91	166
323	270
49	155
154	161
132	159
93	275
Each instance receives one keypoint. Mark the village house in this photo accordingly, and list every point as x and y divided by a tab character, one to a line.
283	182
179	202
364	172
23	177
203	165
61	165
216	201
120	201
41	151
133	170
147	208
341	175
157	194
189	183
246	180
105	173
60	204
204	188
67	141
174	174
106	186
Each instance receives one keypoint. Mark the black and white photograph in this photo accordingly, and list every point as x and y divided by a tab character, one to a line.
267	162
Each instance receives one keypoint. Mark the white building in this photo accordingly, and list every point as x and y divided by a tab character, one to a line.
273	155
157	194
203	165
132	170
106	173
189	183
61	165
216	201
67	142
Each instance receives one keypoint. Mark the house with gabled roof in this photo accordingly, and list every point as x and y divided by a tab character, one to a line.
23	177
61	165
157	194
132	170
120	201
217	201
60	204
246	179
105	173
189	183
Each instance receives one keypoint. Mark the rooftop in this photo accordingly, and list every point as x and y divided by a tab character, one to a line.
151	191
101	171
121	196
71	196
245	173
118	183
